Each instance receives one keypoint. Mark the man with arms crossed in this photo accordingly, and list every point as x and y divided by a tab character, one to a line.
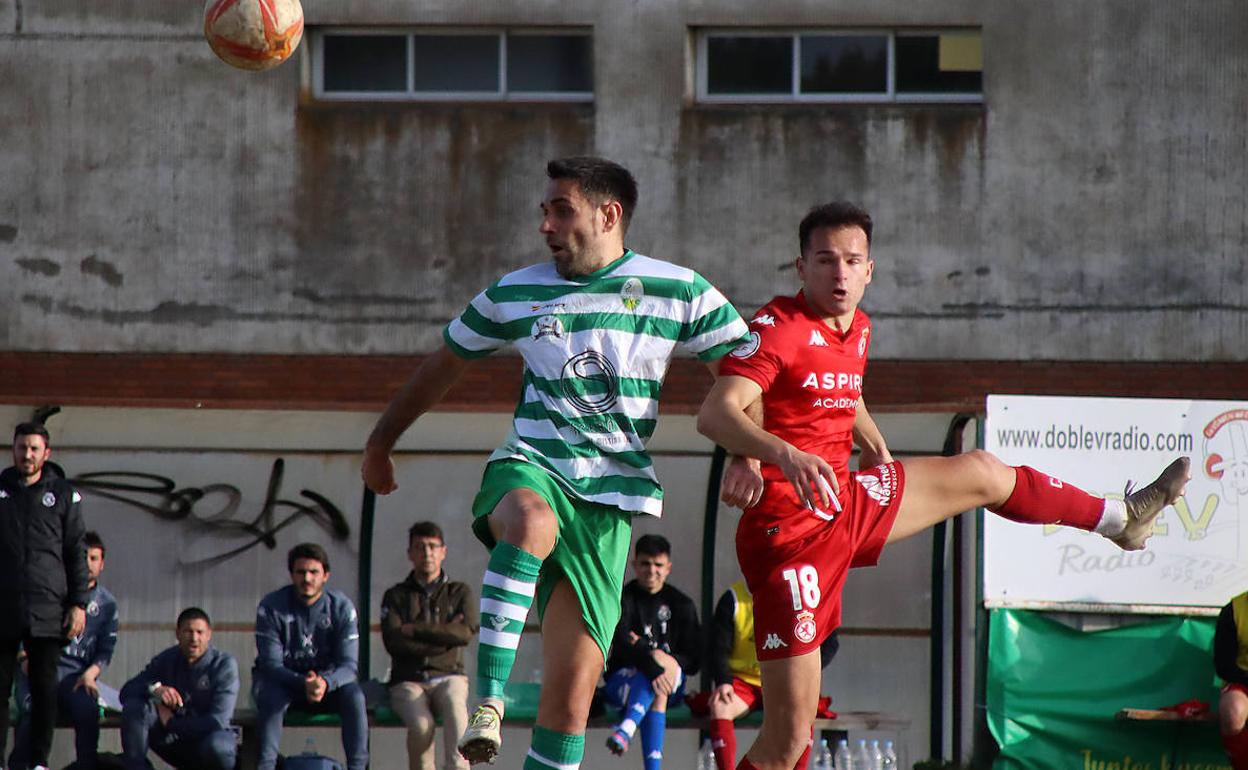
805	359
597	327
426	621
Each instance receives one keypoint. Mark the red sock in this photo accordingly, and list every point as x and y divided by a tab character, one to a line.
801	761
746	764
724	743
1237	749
1041	499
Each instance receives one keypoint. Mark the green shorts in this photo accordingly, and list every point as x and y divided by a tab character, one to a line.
591	550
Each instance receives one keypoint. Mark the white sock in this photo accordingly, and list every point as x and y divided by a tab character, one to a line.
1113	519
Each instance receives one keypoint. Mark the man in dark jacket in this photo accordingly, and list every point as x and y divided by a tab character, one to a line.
43	579
654	649
82	662
426	621
180	706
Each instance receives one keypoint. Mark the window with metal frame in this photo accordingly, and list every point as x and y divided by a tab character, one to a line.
838	65
453	64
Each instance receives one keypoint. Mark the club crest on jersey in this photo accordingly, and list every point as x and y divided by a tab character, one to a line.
879	483
325	621
766	319
49	499
632	293
817	340
4	495
749	347
93	608
203	683
805	629
862	342
547	326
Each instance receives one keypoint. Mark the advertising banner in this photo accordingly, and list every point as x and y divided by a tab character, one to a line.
1198	556
1053	694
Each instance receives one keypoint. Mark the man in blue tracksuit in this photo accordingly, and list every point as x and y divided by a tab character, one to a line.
82	661
307	657
181	705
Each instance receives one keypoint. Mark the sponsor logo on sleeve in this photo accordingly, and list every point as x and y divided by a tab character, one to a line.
749	347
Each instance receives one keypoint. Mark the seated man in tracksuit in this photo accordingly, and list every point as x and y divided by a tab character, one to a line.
654	649
307	657
82	661
180	706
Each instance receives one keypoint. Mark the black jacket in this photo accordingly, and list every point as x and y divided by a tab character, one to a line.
667	621
43	557
436	645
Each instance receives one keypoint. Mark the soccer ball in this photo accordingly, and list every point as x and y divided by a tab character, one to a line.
253	34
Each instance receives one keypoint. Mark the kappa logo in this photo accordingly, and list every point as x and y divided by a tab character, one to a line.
656	754
773	642
49	500
817	340
765	319
499	622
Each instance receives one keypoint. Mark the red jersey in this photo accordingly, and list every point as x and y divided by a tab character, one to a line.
811	376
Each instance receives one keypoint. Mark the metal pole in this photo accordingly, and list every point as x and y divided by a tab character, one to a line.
364	603
710	518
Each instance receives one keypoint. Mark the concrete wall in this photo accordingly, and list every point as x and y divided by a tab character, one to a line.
229	455
153	199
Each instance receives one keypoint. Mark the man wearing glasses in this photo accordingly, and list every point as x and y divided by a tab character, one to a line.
426	621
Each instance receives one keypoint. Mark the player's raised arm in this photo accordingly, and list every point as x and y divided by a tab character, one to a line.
873	450
723	418
426	387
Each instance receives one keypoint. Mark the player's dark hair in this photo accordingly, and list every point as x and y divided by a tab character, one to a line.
193	613
425	529
652	545
32	429
307	551
600	180
836	214
92	539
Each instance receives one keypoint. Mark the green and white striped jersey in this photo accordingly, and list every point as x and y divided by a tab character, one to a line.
595	352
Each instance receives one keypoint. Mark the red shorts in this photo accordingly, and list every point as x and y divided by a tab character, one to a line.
699	703
795	562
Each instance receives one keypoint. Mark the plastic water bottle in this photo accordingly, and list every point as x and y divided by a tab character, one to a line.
862	756
890	757
843	759
706	756
823	756
309	746
877	756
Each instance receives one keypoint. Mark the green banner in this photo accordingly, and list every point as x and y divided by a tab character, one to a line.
1053	693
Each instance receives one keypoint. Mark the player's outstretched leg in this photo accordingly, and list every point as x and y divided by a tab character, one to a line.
524	527
938	488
